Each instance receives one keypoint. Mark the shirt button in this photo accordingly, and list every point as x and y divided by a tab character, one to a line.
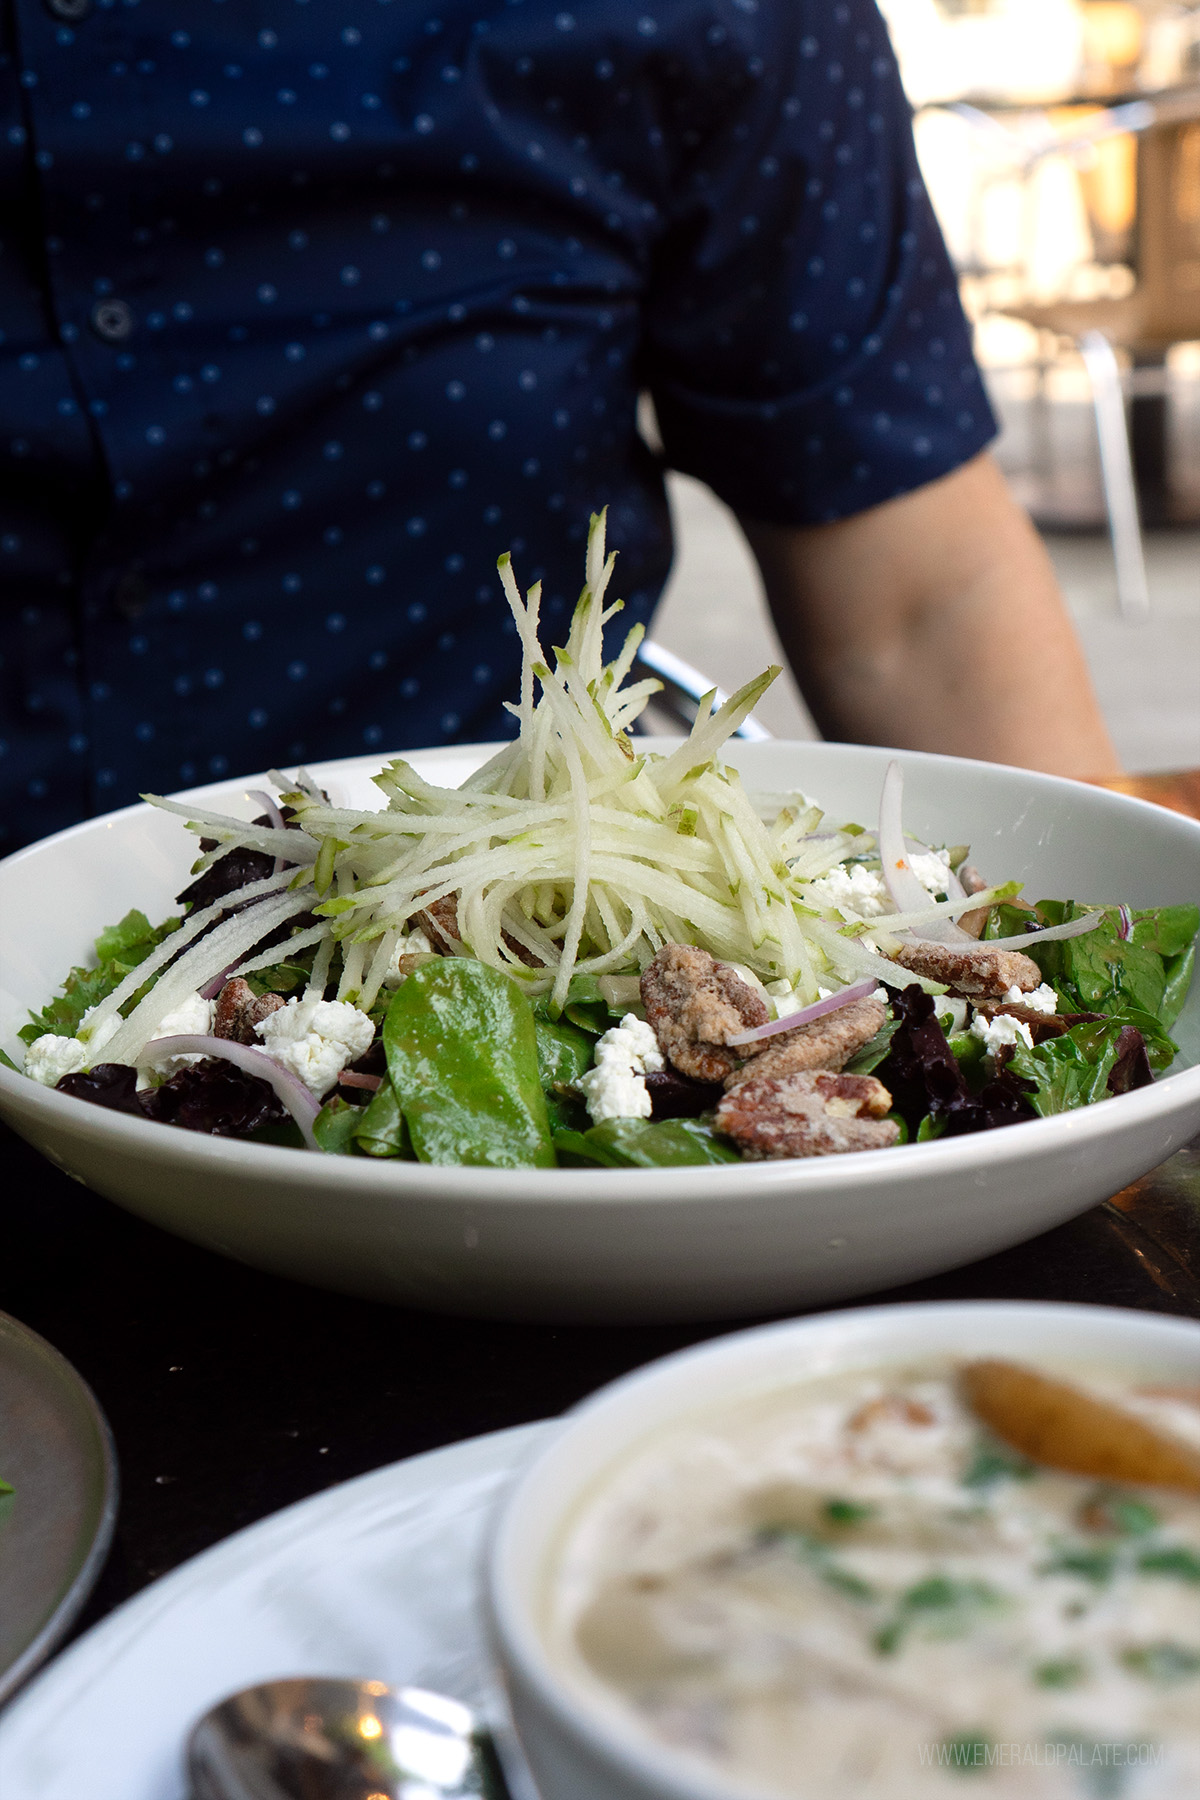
112	320
71	10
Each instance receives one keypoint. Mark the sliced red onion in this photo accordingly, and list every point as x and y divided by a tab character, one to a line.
276	817
212	988
352	1078
1125	928
818	1009
906	891
1069	929
269	806
292	1092
954	887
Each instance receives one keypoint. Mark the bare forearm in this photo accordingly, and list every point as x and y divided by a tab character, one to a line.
935	622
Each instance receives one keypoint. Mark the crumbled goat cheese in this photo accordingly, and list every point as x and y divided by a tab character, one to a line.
784	999
49	1058
315	1039
752	981
415	944
854	889
1042	999
615	1087
193	1017
931	868
995	1034
952	1013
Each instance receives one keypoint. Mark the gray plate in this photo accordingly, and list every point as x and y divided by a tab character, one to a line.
56	1451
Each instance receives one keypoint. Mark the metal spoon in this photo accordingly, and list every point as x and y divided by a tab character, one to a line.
329	1739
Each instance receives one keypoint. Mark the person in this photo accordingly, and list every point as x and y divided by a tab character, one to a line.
312	308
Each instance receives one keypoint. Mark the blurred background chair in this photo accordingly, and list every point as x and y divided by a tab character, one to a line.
1061	143
1161	309
683	690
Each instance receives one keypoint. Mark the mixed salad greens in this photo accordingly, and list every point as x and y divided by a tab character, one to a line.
455	978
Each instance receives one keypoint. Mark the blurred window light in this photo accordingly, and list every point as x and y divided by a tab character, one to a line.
1021	50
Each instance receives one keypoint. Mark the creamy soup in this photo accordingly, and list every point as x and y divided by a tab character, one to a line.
853	1587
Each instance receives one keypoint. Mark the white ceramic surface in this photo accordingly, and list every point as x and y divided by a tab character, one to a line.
56	1453
723	1241
378	1577
578	1747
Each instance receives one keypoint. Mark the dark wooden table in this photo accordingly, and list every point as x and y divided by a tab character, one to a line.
232	1393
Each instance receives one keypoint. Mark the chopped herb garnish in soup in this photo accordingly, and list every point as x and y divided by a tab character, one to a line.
863	1586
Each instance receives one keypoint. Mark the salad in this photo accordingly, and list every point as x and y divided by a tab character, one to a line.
593	954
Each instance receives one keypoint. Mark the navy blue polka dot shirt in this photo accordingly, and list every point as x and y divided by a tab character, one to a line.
310	308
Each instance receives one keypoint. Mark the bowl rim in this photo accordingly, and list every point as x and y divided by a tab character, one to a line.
694	1183
509	1609
705	1183
735	748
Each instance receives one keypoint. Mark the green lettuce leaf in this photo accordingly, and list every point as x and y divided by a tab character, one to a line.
644	1144
1143	978
1071	1070
564	1052
585	1006
874	1050
381	1129
463	1057
282	978
119	948
335	1125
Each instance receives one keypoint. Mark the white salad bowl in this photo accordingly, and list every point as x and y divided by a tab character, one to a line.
718	1241
578	1743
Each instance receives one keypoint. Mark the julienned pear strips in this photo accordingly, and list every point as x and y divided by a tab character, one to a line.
569	852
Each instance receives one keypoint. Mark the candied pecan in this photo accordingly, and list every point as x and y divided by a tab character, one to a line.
239	1009
974	969
815	1113
519	950
826	1043
696	1004
439	922
404	966
972	883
